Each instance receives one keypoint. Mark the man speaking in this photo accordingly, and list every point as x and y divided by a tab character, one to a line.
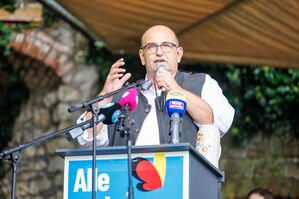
205	102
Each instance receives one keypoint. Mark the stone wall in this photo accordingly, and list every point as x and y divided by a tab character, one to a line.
40	172
267	162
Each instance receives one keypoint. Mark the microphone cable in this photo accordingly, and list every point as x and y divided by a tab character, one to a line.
159	105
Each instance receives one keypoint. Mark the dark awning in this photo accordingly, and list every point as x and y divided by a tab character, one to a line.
226	31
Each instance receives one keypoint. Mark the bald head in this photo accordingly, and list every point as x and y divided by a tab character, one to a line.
157	31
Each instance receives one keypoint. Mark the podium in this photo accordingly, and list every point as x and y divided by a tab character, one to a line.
165	171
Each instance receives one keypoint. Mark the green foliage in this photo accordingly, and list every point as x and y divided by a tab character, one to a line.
5	33
50	18
266	100
102	57
9	5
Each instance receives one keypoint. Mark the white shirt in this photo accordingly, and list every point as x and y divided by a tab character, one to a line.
149	134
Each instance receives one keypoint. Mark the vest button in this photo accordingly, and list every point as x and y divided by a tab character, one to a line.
147	108
137	130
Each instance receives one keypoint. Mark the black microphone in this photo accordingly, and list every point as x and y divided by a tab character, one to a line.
111	111
108	114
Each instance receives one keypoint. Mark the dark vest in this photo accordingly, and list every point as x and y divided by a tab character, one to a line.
189	81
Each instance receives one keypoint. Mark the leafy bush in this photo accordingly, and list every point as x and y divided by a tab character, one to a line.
266	100
9	5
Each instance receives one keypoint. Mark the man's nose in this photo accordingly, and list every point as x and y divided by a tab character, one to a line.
159	51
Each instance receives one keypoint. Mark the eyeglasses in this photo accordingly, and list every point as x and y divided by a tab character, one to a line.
166	47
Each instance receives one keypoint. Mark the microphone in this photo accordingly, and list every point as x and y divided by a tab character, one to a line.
111	111
161	102
146	85
130	99
176	108
162	66
128	102
108	114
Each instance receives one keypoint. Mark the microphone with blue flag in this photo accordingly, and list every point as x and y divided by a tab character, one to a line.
176	107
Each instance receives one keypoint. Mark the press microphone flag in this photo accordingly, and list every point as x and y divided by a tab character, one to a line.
108	114
176	107
176	103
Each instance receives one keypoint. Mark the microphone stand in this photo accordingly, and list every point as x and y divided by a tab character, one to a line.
175	128
95	111
125	130
13	154
91	104
87	104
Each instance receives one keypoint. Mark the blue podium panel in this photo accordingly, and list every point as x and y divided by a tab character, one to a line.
163	175
160	171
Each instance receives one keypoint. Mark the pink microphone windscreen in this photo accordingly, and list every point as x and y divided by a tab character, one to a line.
130	97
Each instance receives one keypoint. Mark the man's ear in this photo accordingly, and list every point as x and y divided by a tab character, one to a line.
141	56
180	52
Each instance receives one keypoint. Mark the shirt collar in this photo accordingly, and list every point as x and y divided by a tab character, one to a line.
152	88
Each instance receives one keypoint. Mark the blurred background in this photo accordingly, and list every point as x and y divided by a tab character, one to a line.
56	53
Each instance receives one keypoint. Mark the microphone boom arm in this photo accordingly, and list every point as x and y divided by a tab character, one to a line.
87	104
13	154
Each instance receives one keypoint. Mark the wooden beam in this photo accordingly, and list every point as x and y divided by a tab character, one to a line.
29	13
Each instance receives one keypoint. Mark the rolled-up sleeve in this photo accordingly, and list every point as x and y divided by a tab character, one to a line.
223	112
102	137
